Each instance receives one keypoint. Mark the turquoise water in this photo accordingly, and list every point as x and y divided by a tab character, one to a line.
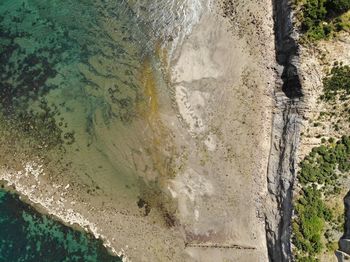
75	93
26	235
76	81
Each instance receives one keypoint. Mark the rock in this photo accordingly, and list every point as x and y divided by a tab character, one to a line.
344	245
285	137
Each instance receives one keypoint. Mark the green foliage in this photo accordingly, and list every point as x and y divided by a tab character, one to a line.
318	176
321	164
321	17
309	227
338	6
337	81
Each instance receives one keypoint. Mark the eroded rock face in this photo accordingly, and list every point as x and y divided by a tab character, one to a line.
347	216
287	50
281	174
285	136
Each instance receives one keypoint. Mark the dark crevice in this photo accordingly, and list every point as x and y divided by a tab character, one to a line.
287	50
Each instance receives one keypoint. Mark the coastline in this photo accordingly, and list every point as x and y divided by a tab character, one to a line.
221	118
71	219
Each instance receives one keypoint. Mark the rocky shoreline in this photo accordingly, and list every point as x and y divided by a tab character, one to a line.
299	86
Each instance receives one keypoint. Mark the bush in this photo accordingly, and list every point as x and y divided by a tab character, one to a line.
308	228
338	80
318	168
317	20
337	6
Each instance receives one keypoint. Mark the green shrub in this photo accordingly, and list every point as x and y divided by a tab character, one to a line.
321	17
318	177
312	214
338	80
337	6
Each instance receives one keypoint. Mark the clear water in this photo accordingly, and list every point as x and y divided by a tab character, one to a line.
81	86
27	236
72	88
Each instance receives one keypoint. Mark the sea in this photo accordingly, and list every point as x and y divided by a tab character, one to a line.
79	88
26	235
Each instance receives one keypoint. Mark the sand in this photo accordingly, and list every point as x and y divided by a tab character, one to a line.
221	81
222	94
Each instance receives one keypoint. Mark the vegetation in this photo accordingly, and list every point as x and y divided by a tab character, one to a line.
312	214
318	177
319	214
337	6
320	18
337	82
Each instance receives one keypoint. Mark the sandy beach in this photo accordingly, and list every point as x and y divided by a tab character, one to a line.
211	149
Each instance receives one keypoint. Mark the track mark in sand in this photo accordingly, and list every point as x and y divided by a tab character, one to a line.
232	246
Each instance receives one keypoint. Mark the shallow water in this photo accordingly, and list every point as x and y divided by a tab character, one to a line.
72	100
80	80
81	86
72	88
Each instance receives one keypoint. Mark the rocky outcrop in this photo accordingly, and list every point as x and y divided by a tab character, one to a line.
285	136
281	175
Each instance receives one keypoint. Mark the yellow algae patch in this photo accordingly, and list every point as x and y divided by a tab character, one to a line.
160	146
149	84
148	80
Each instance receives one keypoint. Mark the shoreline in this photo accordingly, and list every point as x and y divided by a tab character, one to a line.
78	223
221	122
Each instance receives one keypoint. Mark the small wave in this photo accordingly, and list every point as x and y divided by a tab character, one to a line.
170	19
